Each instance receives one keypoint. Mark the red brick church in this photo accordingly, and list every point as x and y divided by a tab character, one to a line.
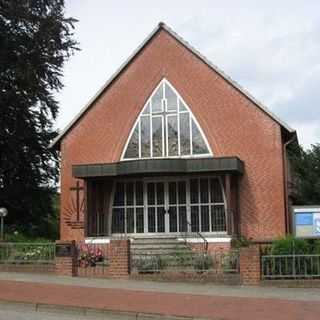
169	146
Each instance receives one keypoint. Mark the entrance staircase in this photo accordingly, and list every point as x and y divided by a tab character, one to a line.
157	246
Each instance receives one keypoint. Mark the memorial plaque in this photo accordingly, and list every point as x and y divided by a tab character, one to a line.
64	250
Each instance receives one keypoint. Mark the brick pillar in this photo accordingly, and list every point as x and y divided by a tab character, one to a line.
250	268
66	258
119	258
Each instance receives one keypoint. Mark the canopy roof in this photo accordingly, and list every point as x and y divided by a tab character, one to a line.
154	166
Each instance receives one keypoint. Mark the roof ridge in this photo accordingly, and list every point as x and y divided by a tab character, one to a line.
164	26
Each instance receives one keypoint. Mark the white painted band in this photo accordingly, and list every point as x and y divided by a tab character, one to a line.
97	240
209	240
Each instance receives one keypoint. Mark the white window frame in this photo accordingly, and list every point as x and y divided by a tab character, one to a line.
166	204
164	105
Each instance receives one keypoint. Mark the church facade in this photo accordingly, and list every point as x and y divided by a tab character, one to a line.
171	145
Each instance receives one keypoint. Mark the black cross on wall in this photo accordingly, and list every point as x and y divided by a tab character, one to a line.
77	189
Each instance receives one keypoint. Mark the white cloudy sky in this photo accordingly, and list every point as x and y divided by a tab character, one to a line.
272	48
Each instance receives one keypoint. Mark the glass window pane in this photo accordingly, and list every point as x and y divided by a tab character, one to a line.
139	193
160	219
160	193
218	218
182	192
183	227
184	134
151	193
145	137
133	146
195	219
156	100
147	109
198	144
129	193
172	193
172	219
171	97
157	136
216	192
182	106
151	219
118	220
130	220
172	132
204	192
119	195
205	227
139	220
194	194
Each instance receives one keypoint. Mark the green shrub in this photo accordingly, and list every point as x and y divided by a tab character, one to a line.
203	262
182	259
241	242
290	245
314	246
150	264
20	237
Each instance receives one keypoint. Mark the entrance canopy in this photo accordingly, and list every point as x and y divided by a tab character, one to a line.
152	166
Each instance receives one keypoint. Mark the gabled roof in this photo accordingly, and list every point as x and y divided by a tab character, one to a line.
163	26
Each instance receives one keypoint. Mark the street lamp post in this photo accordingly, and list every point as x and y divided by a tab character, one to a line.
3	214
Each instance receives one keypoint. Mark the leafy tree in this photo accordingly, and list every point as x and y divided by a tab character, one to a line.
306	167
35	41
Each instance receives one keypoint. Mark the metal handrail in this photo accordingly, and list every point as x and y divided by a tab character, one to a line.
205	242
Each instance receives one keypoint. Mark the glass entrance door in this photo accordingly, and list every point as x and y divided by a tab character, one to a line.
167	206
177	206
156	207
189	204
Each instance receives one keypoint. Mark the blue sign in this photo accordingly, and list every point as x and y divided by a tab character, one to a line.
304	219
307	221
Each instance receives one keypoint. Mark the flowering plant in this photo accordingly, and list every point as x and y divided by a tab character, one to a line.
89	255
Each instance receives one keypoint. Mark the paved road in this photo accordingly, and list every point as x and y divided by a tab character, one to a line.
137	302
300	294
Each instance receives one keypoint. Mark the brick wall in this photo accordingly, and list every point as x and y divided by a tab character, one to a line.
66	265
233	125
250	268
119	258
117	254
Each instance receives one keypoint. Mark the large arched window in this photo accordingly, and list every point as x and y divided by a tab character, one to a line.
166	128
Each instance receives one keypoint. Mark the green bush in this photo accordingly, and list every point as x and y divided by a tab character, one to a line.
241	242
290	245
20	237
314	246
203	262
182	259
150	264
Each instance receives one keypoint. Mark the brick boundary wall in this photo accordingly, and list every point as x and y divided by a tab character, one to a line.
119	266
250	265
119	260
66	265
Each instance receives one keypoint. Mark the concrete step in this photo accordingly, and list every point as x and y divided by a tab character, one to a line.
158	245
156	253
154	241
159	251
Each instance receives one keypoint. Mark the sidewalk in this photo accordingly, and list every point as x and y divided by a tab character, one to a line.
174	299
